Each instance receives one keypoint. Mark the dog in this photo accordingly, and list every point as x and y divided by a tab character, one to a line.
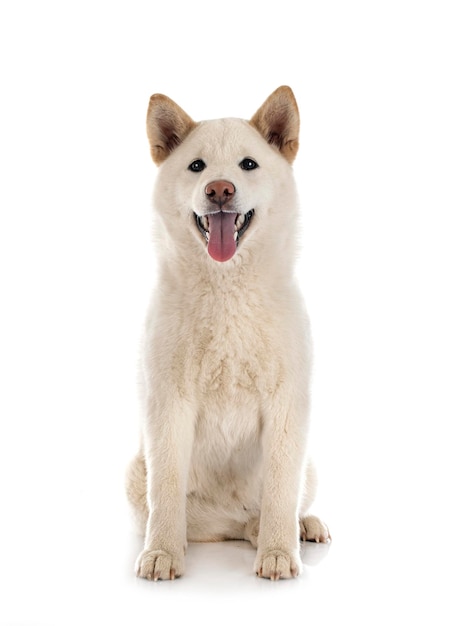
226	354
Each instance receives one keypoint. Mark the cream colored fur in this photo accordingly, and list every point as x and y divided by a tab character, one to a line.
226	357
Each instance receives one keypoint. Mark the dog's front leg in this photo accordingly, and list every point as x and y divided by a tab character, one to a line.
284	449
168	436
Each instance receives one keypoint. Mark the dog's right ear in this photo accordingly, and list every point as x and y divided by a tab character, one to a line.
167	126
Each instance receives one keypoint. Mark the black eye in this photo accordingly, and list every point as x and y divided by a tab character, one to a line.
248	164
197	166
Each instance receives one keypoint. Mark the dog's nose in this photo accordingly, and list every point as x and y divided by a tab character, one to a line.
220	192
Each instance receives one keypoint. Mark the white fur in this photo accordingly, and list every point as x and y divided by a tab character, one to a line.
225	367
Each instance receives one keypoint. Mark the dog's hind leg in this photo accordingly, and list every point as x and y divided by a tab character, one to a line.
251	531
136	491
311	527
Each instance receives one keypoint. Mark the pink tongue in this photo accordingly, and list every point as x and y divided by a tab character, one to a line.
222	245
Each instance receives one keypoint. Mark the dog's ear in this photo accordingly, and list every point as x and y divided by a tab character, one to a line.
167	126
278	122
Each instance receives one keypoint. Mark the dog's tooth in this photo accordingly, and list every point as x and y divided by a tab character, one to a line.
205	222
235	235
240	221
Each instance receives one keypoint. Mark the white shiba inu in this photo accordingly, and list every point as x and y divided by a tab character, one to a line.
225	369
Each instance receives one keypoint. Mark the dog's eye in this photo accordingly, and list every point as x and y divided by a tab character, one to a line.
248	164
197	166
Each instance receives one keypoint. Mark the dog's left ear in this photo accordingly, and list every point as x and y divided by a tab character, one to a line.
278	122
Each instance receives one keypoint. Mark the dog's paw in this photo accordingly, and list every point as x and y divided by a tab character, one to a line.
276	564
159	565
313	529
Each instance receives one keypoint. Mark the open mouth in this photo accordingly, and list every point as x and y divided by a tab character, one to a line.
223	231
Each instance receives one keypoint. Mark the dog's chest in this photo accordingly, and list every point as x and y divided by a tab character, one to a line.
232	364
236	351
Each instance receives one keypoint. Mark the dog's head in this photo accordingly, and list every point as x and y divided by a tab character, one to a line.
220	181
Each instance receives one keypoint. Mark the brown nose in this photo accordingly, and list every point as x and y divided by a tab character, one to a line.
220	192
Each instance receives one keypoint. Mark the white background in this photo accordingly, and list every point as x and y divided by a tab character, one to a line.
374	85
